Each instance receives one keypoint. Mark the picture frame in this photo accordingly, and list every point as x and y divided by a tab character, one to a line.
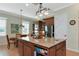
14	28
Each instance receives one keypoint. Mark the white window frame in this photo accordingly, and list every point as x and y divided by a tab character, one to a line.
3	23
25	29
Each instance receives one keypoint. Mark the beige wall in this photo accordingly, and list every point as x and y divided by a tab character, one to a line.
72	13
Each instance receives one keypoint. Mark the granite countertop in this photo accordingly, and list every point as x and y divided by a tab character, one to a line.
47	42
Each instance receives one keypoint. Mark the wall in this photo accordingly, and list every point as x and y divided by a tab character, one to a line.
61	26
72	13
12	20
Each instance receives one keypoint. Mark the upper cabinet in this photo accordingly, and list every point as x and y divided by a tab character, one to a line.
45	27
49	21
49	27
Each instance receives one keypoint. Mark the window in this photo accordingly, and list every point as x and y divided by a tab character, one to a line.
46	28
25	29
36	29
2	27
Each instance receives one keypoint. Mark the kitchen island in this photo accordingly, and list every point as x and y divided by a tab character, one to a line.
54	47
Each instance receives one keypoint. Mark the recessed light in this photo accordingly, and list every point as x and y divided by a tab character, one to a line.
27	4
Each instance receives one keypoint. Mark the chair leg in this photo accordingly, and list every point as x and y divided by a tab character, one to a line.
8	46
14	44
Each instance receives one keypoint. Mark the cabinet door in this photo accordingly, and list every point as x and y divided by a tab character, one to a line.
61	52
20	48
61	49
51	51
28	49
49	21
64	51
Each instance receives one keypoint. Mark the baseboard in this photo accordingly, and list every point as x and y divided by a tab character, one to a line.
73	50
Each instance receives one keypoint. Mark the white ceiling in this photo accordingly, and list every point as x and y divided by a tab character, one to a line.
31	9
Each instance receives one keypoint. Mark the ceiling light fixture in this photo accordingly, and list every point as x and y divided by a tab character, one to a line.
21	19
42	10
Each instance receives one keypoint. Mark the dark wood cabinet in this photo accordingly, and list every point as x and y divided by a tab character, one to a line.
49	21
61	49
20	48
27	49
41	29
41	24
60	52
51	51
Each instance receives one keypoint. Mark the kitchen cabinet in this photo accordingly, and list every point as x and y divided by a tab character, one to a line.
54	48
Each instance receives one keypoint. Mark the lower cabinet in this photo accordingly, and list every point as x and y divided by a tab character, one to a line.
27	49
20	48
60	52
51	51
61	49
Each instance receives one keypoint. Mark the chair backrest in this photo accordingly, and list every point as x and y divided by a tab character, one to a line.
18	35
7	39
23	35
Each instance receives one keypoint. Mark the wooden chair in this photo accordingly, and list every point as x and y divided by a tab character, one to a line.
9	41
23	35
